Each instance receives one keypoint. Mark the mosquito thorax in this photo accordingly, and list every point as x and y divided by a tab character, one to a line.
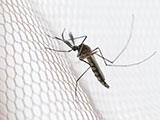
84	51
85	48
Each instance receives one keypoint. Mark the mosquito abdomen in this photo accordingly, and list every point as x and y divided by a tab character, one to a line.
97	71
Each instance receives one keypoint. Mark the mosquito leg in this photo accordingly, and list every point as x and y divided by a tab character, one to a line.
54	37
85	61
79	79
84	36
58	50
81	76
73	38
129	38
105	59
49	36
127	65
63	40
121	50
133	64
60	40
57	37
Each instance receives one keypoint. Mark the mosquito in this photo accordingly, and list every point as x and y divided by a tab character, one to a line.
86	55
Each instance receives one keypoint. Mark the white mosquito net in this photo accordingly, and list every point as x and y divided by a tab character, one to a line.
39	84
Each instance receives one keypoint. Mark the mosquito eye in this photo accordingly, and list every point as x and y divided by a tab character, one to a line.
74	48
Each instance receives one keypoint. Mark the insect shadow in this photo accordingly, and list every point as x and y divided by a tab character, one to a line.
86	55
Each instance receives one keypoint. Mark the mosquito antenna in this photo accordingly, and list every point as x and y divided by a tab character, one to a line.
133	64
72	38
130	35
63	34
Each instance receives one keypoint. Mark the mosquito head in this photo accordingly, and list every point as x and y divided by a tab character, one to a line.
74	48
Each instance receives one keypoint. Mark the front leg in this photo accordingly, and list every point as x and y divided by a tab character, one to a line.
105	59
84	61
58	50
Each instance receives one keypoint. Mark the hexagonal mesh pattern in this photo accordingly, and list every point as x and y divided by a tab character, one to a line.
34	83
